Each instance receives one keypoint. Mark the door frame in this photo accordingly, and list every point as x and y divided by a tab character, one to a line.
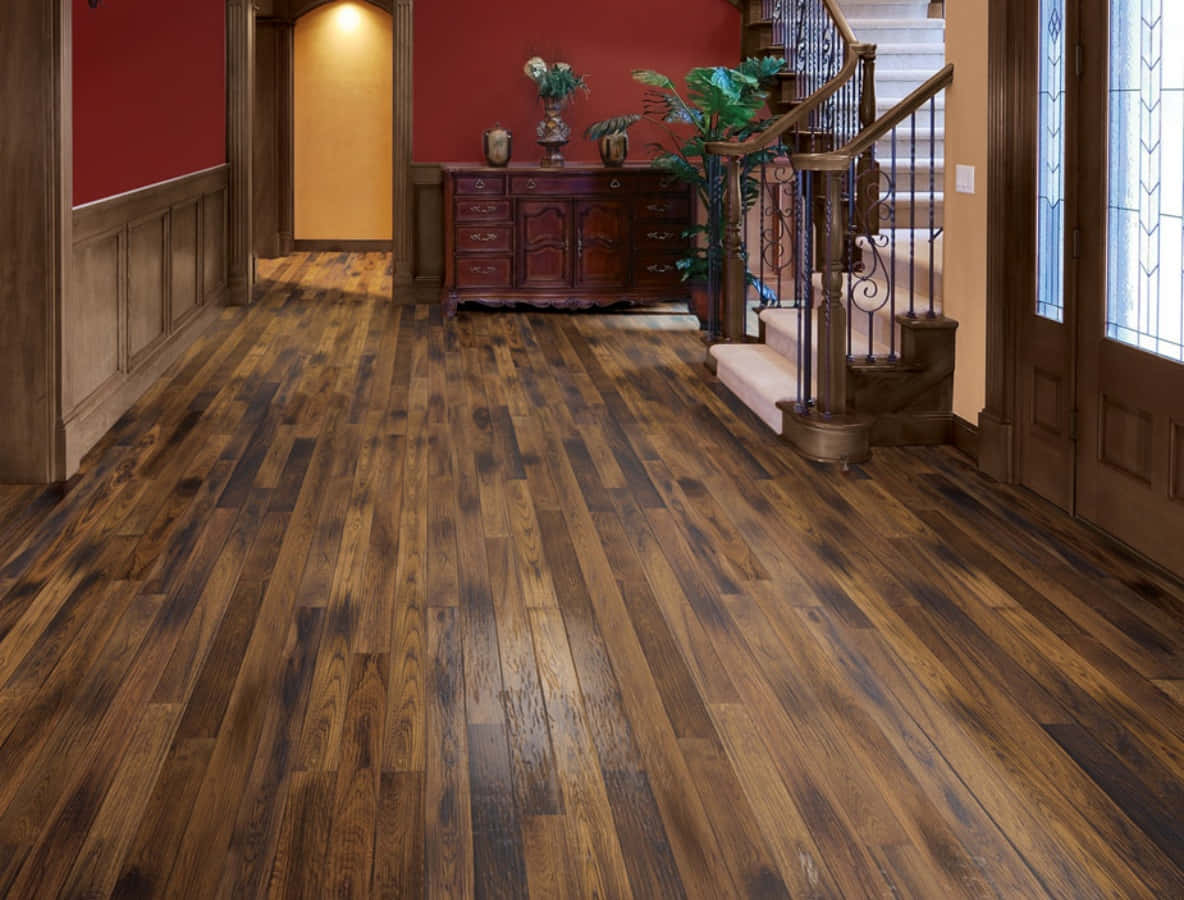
402	138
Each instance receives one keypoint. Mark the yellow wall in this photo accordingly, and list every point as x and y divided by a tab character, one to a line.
965	264
343	123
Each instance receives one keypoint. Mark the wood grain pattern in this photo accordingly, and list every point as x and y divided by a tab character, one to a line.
362	601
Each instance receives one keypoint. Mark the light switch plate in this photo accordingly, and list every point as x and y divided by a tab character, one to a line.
964	179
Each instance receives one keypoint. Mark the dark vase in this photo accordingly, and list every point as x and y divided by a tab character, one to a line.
614	149
553	132
498	144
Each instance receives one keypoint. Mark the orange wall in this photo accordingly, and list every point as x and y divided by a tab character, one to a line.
343	122
965	264
469	56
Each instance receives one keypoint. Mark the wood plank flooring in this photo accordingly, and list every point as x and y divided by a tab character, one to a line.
360	602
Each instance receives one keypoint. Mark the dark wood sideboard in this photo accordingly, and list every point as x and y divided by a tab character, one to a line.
578	237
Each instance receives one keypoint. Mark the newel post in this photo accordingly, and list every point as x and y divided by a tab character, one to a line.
832	314
735	265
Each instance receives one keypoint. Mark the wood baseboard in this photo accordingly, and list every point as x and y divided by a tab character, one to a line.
966	437
302	246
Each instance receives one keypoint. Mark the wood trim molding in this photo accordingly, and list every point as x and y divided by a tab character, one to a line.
103	215
240	126
320	246
1009	137
403	144
427	181
966	437
36	171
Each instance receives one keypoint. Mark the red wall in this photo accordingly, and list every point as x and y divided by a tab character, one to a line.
149	93
469	57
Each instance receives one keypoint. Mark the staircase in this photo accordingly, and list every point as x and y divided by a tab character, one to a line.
844	346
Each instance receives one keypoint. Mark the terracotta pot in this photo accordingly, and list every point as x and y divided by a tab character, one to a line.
497	143
614	149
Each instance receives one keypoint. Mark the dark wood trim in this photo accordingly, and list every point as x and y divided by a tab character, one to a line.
302	246
103	215
1010	142
36	171
240	129
403	199
966	437
427	180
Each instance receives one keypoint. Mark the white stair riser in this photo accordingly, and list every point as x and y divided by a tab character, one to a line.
885	9
921	32
910	58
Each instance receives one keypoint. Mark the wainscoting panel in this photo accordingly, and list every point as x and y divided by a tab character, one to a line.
90	334
185	262
149	266
147	257
428	185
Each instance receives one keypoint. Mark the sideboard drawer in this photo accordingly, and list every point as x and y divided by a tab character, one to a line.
484	239
469	185
658	270
659	184
494	272
569	185
661	207
482	210
662	236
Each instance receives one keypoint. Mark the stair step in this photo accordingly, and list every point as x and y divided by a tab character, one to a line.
885	9
921	32
907	176
759	376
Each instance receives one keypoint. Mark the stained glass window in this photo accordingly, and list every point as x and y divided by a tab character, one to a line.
1050	210
1145	282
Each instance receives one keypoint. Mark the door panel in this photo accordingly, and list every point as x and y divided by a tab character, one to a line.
1131	346
1046	389
602	233
544	242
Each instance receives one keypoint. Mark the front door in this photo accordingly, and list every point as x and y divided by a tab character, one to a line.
1130	347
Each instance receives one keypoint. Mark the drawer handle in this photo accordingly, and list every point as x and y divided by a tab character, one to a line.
658	207
483	238
661	235
659	269
615	183
480	184
482	270
483	209
530	185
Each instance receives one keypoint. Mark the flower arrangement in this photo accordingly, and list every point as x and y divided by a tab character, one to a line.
555	81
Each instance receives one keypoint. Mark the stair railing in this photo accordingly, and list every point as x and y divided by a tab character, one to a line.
827	215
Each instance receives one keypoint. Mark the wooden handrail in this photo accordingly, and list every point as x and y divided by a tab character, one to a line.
840	159
798	114
853	51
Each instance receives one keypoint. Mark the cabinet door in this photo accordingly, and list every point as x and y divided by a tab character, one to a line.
602	243
544	240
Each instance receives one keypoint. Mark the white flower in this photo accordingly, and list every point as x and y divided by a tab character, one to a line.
563	67
535	68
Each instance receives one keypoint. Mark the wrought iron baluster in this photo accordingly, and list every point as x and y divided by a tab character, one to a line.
932	196
912	215
892	254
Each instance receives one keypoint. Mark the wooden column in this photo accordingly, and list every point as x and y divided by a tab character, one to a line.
735	285
832	313
240	124
404	127
36	183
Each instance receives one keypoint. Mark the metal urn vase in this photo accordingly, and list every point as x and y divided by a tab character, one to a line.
553	132
498	144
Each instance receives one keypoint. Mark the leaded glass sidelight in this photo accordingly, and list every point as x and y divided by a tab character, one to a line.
1050	209
1145	281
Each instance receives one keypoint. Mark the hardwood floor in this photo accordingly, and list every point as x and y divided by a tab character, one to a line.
361	602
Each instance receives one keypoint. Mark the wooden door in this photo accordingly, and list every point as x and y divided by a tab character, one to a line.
1046	389
602	241
1131	321
544	242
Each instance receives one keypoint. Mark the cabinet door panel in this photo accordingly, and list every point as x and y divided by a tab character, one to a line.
602	243
544	240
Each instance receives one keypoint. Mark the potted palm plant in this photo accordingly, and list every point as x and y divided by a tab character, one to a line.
720	104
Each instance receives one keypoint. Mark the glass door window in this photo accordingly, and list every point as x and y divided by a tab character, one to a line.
1050	207
1145	278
